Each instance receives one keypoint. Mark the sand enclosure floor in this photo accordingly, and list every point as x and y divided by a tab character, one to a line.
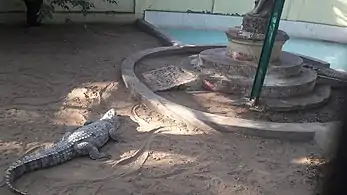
53	78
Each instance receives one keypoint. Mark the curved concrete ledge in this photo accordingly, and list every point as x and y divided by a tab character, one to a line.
290	131
164	38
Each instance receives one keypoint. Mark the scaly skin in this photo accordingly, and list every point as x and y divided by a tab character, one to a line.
85	140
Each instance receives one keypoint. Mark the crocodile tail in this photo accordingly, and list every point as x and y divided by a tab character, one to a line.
43	159
16	170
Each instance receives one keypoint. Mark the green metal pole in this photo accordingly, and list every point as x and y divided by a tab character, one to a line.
265	55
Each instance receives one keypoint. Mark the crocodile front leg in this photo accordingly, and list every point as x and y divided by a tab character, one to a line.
84	148
88	122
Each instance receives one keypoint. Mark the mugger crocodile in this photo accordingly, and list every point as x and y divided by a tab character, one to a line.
85	140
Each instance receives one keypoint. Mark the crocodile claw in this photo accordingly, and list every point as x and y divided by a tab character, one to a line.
104	157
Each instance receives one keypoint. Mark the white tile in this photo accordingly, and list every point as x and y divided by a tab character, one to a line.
194	20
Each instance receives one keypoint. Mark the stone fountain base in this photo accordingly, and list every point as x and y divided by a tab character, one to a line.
232	71
186	106
246	46
300	127
287	86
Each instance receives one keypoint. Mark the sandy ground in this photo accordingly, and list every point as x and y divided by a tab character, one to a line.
54	78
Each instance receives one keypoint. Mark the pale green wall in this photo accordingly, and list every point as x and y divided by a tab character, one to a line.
123	5
179	5
332	12
233	6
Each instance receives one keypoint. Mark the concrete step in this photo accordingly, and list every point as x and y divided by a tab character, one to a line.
274	87
318	97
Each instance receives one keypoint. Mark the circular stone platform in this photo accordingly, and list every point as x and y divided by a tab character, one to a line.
291	131
216	60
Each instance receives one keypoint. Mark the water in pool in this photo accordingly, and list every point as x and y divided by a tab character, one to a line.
334	53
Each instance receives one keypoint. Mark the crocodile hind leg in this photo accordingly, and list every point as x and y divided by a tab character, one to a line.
84	148
67	134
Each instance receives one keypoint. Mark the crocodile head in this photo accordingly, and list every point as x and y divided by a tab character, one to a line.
111	116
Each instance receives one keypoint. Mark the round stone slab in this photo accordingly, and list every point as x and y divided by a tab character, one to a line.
318	97
274	87
216	61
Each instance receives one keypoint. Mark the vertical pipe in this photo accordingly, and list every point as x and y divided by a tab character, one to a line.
212	7
266	51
